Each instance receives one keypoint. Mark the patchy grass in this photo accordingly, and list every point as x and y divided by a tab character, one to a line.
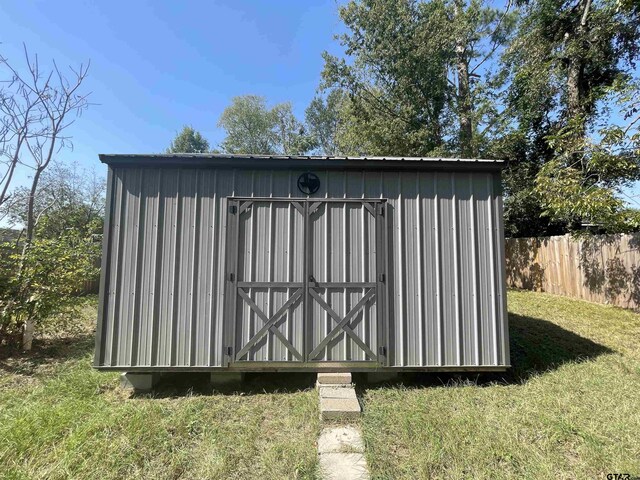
59	418
570	407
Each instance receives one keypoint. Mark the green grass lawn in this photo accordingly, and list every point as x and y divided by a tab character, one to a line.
570	408
59	418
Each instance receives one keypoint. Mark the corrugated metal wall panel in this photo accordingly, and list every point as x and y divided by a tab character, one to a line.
501	281
429	274
147	278
466	261
485	250
161	346
165	291
224	187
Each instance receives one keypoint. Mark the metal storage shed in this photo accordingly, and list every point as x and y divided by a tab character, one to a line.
253	263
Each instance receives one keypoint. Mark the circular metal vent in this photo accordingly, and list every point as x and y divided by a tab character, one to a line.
308	183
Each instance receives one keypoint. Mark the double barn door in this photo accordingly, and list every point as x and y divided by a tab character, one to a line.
305	281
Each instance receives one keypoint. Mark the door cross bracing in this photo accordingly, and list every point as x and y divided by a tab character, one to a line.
295	325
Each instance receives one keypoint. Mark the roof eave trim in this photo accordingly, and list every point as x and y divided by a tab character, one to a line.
281	162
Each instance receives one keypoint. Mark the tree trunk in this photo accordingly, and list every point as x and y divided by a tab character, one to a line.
574	77
29	324
464	106
27	334
575	83
31	207
464	92
575	70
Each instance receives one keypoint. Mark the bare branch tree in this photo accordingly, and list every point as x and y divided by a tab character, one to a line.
37	108
21	118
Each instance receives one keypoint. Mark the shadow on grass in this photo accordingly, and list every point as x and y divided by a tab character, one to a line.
537	346
46	352
180	384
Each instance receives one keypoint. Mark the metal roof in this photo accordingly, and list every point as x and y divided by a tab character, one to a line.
292	161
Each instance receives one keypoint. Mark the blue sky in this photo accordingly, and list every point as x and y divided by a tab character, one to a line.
156	66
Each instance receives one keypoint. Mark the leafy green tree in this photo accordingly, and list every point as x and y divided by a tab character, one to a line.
396	91
67	197
291	135
418	76
253	128
189	141
323	118
569	62
478	34
523	210
583	181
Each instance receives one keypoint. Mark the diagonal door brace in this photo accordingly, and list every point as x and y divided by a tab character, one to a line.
269	324
342	323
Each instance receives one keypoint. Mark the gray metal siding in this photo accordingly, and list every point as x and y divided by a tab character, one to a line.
164	281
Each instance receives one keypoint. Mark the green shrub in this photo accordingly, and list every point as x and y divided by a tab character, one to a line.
38	283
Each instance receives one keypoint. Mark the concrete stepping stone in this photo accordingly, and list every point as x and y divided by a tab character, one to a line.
340	439
341	453
343	466
337	392
337	397
334	379
339	408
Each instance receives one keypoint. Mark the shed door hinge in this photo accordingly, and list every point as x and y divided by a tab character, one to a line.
382	351
231	277
229	351
233	209
381	277
380	209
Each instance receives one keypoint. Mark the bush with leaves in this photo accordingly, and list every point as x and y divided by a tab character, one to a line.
41	282
585	181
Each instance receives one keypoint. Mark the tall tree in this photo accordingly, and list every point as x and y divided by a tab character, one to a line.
189	140
479	33
569	62
418	74
38	105
393	74
323	119
253	128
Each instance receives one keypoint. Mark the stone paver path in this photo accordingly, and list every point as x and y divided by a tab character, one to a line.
340	447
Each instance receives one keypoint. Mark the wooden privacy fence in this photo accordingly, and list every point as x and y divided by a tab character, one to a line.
599	268
92	285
